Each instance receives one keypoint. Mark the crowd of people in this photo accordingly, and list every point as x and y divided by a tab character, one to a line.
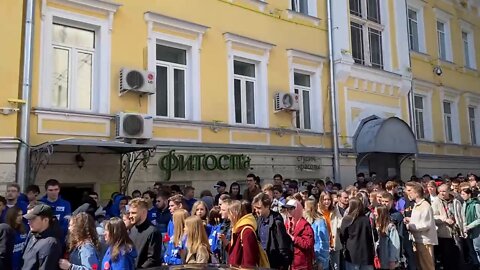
427	223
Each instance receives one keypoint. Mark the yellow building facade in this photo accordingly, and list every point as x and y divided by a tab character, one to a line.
218	66
217	81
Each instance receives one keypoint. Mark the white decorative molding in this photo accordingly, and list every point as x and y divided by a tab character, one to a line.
242	41
315	73
473	99
293	53
291	14
100	6
378	76
175	24
73	118
261	62
261	4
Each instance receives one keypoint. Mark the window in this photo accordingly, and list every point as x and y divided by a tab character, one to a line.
444	38
356	7
302	87
244	92
300	6
171	67
73	56
447	121
413	30
466	49
366	32
473	125
419	117
442	43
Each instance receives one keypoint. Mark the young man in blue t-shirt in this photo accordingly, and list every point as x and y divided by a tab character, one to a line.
149	197
61	208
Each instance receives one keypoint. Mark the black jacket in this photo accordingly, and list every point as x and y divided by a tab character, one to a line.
357	238
147	240
279	245
7	238
42	251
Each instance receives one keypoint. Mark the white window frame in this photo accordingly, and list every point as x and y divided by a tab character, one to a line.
316	97
170	80
192	46
473	101
422	110
453	98
445	18
243	91
383	27
468	29
235	43
475	126
301	113
425	91
101	66
311	7
418	6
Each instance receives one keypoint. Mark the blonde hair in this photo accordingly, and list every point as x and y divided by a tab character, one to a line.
235	211
178	219
310	212
196	205
196	234
138	203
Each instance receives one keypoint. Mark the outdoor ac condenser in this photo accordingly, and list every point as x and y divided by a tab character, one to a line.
136	126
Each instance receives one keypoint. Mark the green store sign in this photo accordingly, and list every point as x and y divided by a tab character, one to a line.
175	162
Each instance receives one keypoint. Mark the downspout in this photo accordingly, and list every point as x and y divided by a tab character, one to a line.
23	160
333	96
411	101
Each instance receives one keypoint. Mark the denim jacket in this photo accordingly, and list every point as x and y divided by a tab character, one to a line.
85	257
388	247
322	242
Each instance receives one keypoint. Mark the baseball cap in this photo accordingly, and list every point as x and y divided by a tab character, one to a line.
290	204
220	184
39	210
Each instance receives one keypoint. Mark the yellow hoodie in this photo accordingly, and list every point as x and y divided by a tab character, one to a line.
248	219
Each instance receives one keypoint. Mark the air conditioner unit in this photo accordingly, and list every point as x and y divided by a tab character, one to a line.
140	81
134	126
286	102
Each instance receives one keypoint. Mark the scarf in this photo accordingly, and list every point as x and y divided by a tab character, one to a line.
471	210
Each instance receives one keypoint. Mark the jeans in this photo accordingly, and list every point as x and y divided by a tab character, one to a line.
335	260
350	266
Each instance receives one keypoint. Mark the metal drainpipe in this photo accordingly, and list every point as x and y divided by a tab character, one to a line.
411	101
333	96
23	159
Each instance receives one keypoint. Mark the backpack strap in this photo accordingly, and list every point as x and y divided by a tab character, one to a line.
243	229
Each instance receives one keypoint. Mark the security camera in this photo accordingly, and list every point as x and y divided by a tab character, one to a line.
438	70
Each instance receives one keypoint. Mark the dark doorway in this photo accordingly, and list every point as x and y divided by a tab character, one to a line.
385	165
75	193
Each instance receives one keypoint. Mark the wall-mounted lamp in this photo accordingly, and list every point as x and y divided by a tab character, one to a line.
438	70
80	161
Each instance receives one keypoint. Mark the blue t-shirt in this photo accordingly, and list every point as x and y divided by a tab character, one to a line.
125	260
19	245
152	215
62	210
